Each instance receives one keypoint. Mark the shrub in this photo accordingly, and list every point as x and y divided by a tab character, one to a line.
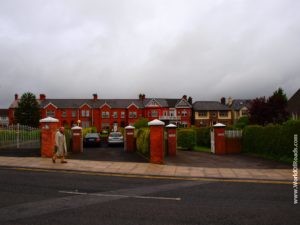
143	141
186	138
142	122
203	136
88	130
273	141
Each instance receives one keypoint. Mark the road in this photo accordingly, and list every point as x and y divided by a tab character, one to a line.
49	197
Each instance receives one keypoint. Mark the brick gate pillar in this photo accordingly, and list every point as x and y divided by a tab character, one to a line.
77	141
129	145
219	136
172	139
49	127
156	141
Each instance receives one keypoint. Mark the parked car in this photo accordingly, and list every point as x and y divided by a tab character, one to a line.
115	138
91	139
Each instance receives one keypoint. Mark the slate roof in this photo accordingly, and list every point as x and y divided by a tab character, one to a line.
294	103
237	104
209	106
113	103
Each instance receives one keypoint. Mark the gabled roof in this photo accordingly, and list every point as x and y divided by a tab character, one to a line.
293	105
238	104
182	103
209	106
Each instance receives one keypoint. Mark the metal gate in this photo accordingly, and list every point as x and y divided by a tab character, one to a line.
20	137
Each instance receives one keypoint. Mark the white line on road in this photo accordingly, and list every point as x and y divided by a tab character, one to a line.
118	195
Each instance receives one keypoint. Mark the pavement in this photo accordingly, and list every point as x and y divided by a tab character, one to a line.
186	165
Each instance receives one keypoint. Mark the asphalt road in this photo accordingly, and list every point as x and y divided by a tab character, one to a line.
40	197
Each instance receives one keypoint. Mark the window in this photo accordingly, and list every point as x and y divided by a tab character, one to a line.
154	113
184	113
105	114
85	124
244	112
50	113
213	114
85	113
64	113
122	115
202	114
223	114
165	113
73	113
132	115
115	115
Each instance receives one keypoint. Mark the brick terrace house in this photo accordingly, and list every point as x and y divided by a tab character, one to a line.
107	113
208	113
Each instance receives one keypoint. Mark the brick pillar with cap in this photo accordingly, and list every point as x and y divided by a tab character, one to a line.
49	128
156	141
77	141
129	145
219	136
172	139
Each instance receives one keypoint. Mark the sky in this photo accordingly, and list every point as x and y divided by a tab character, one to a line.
163	48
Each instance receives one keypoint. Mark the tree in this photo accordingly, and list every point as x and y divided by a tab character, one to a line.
278	104
259	111
142	122
28	111
273	110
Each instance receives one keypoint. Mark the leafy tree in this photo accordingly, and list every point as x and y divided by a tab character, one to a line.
278	103
142	122
28	111
259	111
273	110
242	122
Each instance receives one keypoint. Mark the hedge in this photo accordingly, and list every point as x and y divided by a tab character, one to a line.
143	141
186	138
203	136
275	141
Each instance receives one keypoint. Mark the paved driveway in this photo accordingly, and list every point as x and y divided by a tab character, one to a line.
202	159
108	153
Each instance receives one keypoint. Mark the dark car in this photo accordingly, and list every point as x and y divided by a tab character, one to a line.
91	140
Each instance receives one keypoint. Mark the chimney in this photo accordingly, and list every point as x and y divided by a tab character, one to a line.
16	96
142	97
229	101
95	97
42	97
184	97
223	101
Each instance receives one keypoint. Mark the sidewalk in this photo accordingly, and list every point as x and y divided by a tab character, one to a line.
147	169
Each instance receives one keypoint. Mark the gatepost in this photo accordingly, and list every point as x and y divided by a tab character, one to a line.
77	142
129	145
172	139
49	128
156	141
219	136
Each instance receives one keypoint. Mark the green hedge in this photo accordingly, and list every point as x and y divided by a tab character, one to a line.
143	141
273	141
203	136
186	138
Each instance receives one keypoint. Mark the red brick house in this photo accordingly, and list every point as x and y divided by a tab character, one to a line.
107	113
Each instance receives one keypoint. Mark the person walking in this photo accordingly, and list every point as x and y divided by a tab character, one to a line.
60	146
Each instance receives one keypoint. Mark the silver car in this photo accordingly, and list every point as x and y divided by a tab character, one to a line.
115	138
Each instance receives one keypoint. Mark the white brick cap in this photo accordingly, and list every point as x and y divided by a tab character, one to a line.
49	120
156	122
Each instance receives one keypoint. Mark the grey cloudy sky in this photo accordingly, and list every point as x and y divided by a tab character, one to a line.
163	48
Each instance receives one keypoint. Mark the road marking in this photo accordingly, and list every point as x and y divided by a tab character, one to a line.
119	196
226	180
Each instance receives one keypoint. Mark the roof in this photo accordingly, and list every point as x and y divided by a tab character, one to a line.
237	104
294	103
113	103
4	112
209	106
